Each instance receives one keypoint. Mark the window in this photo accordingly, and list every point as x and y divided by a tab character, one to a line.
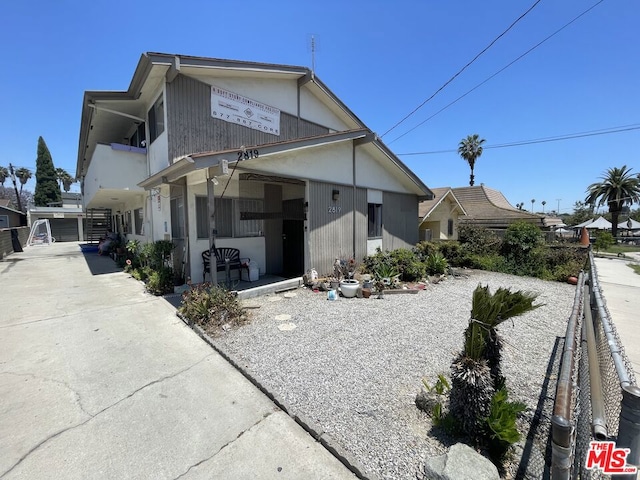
137	139
138	219
129	226
229	222
156	119
177	217
450	227
375	220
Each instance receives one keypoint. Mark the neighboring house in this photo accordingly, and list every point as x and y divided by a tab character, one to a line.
66	218
489	208
9	217
265	156
439	217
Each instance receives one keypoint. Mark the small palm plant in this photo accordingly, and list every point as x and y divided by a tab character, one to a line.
475	373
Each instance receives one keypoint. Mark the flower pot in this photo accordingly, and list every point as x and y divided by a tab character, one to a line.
366	292
349	288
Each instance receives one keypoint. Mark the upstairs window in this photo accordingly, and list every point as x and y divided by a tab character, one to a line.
156	119
375	220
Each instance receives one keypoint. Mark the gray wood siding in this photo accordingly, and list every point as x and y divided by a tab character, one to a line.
331	234
399	220
192	129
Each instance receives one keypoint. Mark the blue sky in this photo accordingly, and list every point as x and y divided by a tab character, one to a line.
381	58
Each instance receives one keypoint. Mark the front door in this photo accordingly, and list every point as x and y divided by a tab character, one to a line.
293	237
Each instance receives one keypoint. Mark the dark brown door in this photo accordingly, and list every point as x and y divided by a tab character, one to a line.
293	237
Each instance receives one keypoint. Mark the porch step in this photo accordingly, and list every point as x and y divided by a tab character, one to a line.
270	288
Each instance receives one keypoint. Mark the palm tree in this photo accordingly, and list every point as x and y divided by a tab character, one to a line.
544	202
470	149
476	373
533	200
4	174
67	181
61	174
618	187
23	174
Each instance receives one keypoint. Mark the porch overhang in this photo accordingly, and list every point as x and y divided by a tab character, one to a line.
199	161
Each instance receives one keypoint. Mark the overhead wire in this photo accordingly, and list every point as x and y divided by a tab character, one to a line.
569	136
463	68
498	72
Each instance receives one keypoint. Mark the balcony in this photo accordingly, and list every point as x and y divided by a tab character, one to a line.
113	176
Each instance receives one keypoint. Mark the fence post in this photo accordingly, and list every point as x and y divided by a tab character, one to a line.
629	429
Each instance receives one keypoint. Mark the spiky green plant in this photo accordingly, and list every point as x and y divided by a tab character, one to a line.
476	372
490	310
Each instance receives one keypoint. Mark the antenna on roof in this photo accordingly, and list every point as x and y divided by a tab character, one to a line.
313	46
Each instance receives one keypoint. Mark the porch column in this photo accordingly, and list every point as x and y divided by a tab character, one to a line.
80	229
211	204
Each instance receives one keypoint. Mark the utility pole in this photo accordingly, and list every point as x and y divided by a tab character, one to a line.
15	186
558	210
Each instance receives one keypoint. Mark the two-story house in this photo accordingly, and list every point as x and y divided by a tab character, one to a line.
260	157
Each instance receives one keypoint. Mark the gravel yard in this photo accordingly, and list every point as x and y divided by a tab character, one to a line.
354	366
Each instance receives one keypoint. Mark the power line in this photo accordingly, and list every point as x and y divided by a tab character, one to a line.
463	68
498	72
569	136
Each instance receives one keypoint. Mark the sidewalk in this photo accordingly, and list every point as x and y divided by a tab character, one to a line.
100	380
621	290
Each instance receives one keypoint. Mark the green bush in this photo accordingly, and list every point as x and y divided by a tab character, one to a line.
424	249
403	261
211	307
160	281
502	431
436	264
520	239
452	251
478	240
603	240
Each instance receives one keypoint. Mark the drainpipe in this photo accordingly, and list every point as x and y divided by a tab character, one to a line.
212	228
353	210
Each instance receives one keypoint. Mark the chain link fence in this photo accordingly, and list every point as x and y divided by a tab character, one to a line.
573	423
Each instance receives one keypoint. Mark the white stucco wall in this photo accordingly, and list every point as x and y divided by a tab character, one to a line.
312	109
114	170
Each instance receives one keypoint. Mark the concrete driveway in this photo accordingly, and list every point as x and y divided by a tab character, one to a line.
100	380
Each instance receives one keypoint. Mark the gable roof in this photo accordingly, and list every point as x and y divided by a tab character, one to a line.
154	67
9	209
426	207
490	207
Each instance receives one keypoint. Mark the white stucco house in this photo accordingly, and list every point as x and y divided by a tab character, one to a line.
260	157
439	217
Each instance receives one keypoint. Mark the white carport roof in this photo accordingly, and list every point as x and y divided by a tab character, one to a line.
584	224
630	224
600	223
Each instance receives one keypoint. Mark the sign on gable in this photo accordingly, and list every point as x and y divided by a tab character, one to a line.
234	108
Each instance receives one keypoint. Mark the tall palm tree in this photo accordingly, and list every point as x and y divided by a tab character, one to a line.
544	202
533	200
470	149
4	174
67	181
617	188
60	174
23	174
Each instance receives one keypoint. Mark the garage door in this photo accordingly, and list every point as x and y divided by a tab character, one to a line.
64	229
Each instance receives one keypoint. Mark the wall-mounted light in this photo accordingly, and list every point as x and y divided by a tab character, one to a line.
215	181
335	195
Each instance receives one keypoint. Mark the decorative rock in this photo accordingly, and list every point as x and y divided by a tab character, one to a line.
275	299
283	317
461	463
290	295
286	327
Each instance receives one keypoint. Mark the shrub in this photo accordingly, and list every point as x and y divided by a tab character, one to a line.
501	426
160	281
408	263
452	251
478	240
520	239
603	240
436	264
424	249
211	307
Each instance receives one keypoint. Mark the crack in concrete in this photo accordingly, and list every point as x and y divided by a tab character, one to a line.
223	446
83	312
53	380
72	427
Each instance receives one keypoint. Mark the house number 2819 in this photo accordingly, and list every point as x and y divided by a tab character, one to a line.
247	154
334	209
